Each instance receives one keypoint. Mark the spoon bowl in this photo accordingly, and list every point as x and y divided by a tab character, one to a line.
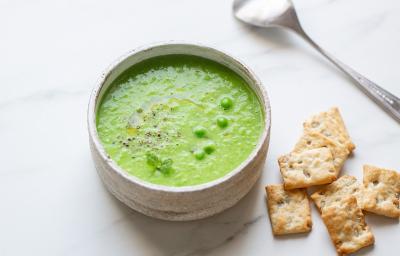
264	13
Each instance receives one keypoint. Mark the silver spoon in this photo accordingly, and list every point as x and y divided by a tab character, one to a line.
281	13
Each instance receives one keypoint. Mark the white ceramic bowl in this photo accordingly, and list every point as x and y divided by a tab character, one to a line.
178	203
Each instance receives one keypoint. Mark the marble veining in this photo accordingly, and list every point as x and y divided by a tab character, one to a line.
52	53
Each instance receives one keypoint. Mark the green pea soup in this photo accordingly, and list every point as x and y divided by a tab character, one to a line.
179	120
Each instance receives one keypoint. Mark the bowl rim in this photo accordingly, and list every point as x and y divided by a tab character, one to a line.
94	138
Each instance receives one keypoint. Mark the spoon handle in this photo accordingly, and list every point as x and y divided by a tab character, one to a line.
386	100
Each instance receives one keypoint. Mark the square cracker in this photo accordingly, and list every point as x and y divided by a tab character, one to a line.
289	210
332	194
346	226
382	191
330	124
307	168
311	140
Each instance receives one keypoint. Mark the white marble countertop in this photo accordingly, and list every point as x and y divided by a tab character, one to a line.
52	52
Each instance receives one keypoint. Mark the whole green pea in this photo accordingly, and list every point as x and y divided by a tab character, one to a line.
199	154
226	103
199	131
222	122
209	148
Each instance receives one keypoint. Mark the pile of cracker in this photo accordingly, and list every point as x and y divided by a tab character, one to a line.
317	159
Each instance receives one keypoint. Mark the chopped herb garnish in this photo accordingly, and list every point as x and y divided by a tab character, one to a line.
163	166
153	160
166	166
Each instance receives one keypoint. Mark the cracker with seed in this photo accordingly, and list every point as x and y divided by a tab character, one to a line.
382	191
346	226
307	168
311	140
289	210
331	125
333	193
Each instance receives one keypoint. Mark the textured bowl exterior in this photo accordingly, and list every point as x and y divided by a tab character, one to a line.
178	203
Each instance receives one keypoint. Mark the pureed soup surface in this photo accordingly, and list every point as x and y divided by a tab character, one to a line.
179	120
